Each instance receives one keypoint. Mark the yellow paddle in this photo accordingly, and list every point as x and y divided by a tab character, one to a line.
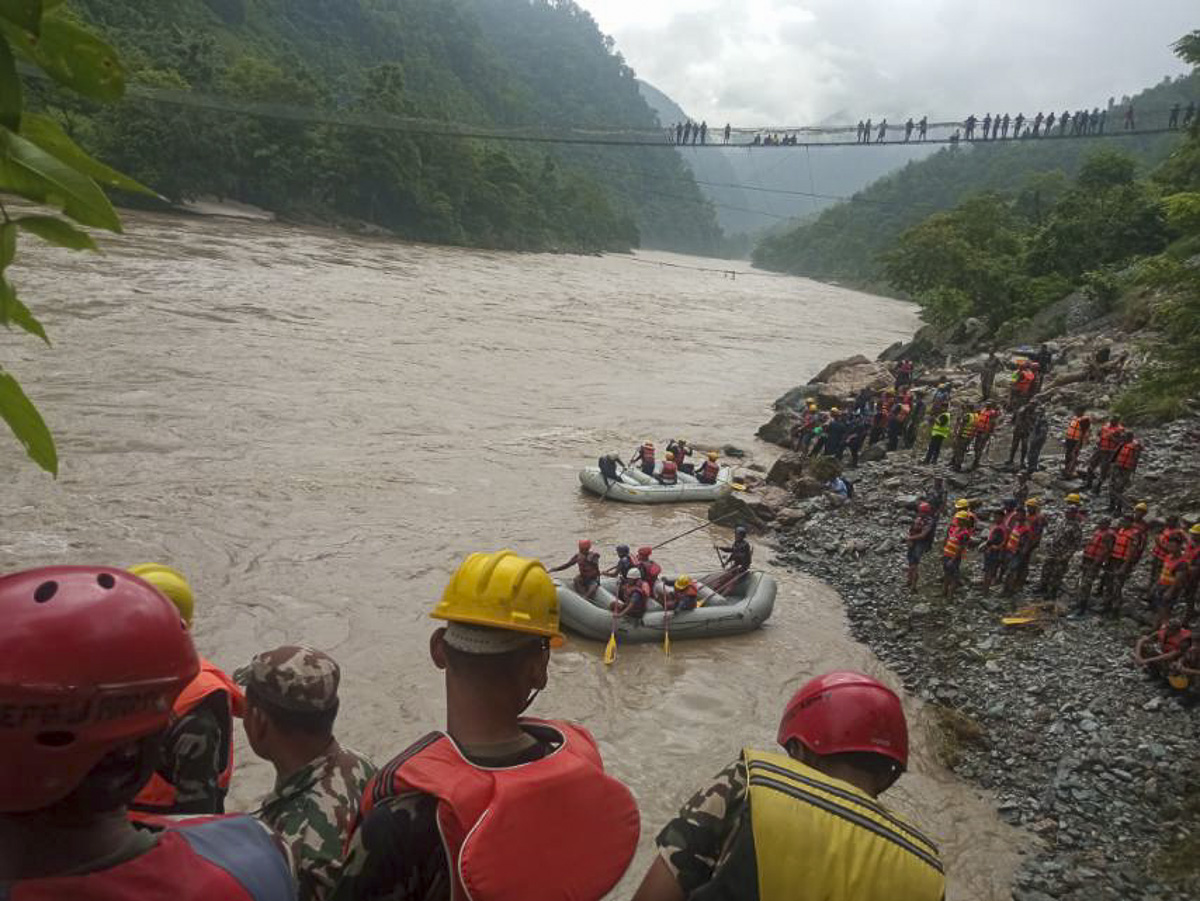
667	633
610	650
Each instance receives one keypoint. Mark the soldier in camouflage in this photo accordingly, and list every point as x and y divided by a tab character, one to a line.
292	702
1063	545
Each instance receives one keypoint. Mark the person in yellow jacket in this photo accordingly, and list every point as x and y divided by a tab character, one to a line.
805	824
197	750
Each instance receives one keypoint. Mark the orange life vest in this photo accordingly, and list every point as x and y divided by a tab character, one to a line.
1168	575
709	470
1123	543
589	566
1163	541
228	858
647	453
1128	455
1095	548
1109	435
956	540
493	822
670	471
1024	381
158	795
1015	537
1171	644
1076	430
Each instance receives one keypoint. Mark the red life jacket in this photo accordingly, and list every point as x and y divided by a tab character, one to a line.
158	795
556	829
1169	573
1123	542
1170	645
1108	436
647	453
997	537
629	587
1016	536
589	566
1095	548
709	470
1161	544
1024	381
670	472
205	859
1128	455
650	571
956	540
983	422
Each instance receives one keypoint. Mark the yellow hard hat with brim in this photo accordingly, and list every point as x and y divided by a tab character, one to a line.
172	584
683	582
1195	530
1074	499
962	503
502	591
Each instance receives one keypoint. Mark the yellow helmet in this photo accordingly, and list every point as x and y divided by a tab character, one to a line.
712	455
962	504
173	585
1195	530
683	582
1074	499
962	514
834	410
1033	502
503	591
1143	507
670	455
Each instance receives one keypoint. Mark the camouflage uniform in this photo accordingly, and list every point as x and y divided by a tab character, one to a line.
193	755
1066	541
313	808
698	840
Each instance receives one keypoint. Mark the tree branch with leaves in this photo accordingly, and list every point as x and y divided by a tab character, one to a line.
41	164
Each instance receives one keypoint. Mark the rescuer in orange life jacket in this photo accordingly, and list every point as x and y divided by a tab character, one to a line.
709	470
588	561
497	802
94	658
805	823
670	471
644	457
197	751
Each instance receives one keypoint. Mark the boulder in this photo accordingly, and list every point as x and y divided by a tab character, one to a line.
733	510
827	374
730	450
779	429
787	467
824	397
872	453
806	487
851	379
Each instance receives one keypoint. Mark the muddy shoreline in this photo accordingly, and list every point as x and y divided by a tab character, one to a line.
1079	747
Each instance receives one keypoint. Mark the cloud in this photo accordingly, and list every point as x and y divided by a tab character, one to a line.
798	62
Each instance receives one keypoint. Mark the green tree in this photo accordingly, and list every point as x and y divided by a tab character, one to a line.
40	163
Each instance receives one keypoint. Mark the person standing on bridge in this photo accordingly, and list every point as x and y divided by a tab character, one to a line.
1017	123
1064	122
987	126
1189	114
1050	125
866	138
728	132
883	126
1173	119
805	823
1004	127
908	130
1037	124
704	132
687	132
1129	121
1099	117
969	128
678	132
922	128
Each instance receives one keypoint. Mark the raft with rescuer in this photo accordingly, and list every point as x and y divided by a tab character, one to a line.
649	481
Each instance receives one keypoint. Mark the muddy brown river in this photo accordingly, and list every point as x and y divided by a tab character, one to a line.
317	428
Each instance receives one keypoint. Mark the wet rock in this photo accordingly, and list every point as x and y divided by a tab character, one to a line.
806	487
788	467
733	510
872	453
730	450
777	431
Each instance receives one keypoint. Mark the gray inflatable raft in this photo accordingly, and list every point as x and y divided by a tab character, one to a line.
746	607
635	487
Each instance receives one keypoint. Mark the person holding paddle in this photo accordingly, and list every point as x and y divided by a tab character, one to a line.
740	555
588	561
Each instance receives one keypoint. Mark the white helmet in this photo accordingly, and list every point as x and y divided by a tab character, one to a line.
634	573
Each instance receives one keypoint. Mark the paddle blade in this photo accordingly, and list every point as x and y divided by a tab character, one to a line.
667	643
737	486
1018	620
610	651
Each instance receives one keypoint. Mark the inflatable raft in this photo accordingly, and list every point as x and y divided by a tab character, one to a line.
635	487
743	609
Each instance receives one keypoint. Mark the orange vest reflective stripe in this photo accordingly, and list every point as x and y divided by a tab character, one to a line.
159	794
1075	430
1095	548
1015	537
1127	456
1108	437
555	828
1122	543
1162	542
1167	575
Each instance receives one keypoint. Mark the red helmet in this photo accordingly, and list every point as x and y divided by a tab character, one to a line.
91	658
844	711
584	545
925	507
645	551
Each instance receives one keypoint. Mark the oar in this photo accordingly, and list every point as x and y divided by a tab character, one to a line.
666	624
610	650
696	529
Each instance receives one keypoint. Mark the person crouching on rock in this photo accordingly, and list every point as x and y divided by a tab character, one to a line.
806	823
919	533
1156	651
588	561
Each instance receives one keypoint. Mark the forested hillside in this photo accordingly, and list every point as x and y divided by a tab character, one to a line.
847	242
489	64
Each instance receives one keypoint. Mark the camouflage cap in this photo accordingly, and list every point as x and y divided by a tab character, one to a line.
294	678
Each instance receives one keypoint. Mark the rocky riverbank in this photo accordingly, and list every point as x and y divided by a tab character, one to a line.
1080	747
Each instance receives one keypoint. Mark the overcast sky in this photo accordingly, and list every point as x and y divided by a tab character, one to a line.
801	62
